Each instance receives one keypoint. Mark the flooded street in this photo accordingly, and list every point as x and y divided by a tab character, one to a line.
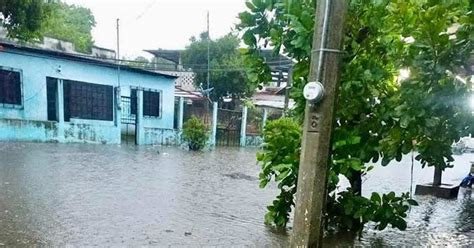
106	195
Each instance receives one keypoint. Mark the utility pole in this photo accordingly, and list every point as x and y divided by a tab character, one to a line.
208	65
118	51
208	45
319	117
289	82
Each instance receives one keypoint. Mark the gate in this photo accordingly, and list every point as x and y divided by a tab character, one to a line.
228	127
128	120
127	117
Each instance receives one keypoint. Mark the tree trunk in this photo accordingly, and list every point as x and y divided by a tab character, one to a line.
437	176
356	182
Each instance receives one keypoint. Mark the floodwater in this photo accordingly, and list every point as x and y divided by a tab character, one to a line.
105	195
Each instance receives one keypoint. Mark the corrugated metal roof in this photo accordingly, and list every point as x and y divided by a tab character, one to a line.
194	95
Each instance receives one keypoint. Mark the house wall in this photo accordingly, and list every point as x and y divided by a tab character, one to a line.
29	123
167	101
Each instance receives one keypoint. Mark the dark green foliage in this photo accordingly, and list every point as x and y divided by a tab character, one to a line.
24	19
196	133
345	210
33	19
71	23
227	76
349	211
377	116
432	106
280	160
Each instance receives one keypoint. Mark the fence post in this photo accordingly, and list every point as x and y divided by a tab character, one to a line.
140	132
118	113
60	95
264	118
179	133
214	124
243	128
180	113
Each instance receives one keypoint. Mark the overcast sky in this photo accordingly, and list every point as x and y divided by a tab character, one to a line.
152	24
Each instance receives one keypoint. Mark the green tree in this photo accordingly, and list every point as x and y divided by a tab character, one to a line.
71	23
24	19
227	74
377	116
433	103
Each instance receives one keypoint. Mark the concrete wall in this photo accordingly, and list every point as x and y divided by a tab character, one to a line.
160	136
104	53
86	131
25	130
29	123
253	140
58	45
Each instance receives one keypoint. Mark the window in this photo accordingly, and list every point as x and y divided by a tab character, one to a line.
151	103
51	93
88	101
10	87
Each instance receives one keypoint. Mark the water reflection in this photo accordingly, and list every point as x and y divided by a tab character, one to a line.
465	220
84	195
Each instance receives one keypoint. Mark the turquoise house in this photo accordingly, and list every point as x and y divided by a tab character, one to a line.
52	96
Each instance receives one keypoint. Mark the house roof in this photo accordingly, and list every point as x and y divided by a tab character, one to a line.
7	46
193	95
271	98
171	55
276	61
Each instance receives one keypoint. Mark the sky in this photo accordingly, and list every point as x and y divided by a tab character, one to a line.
153	24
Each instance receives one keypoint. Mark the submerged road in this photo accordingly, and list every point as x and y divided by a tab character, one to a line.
105	195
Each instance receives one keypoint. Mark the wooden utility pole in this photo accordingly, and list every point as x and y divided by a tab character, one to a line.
319	118
289	81
118	51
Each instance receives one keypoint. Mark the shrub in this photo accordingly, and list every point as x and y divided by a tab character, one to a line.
280	160
196	133
346	210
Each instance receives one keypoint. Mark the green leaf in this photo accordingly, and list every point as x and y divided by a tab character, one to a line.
354	140
385	160
375	197
282	175
356	165
247	19
412	202
263	183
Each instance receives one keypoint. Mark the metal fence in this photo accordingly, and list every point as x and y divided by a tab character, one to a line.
200	109
254	121
127	116
228	127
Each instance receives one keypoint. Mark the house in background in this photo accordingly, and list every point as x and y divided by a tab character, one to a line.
272	96
169	63
54	95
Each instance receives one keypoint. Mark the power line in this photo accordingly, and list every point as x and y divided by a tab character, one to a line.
113	60
147	8
151	66
142	13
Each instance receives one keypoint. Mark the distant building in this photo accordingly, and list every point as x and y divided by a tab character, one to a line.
272	97
174	67
54	44
169	63
50	93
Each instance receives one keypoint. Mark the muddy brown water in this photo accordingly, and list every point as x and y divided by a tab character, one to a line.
105	195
